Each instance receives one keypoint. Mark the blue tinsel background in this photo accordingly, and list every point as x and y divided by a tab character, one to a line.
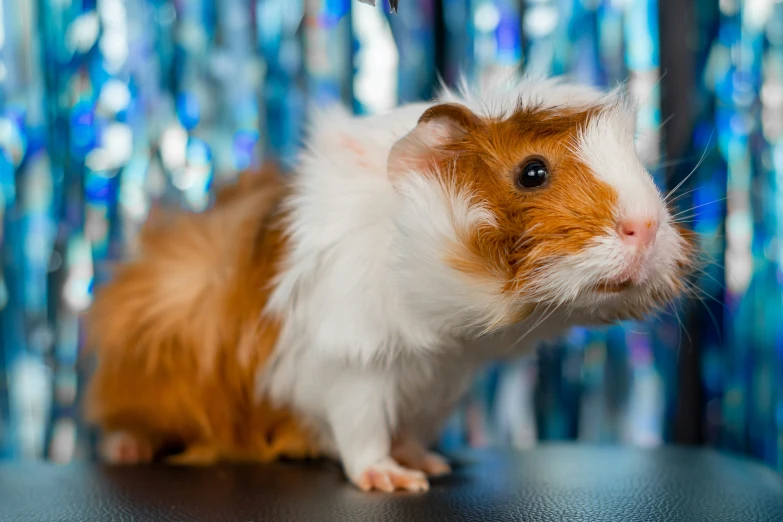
109	105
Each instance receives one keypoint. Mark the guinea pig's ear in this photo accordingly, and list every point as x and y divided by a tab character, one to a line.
427	142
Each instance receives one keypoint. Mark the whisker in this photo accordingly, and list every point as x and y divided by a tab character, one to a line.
710	261
674	163
698	206
682	329
686	220
701	160
701	292
707	308
544	317
681	195
705	273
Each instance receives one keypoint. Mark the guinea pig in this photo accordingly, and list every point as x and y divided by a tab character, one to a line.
342	311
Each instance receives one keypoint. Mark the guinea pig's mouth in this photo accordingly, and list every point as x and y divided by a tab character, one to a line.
613	287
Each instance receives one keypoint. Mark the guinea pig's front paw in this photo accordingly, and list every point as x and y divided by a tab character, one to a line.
389	476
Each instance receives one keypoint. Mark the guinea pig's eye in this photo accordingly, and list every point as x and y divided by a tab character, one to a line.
533	173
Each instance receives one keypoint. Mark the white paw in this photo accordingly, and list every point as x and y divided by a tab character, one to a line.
414	455
389	476
121	447
433	465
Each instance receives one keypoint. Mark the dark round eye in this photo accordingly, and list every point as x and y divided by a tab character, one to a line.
532	174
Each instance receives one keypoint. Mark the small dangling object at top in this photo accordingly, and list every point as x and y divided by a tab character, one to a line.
392	4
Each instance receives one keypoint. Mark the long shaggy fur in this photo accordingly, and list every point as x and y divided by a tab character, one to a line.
179	334
347	314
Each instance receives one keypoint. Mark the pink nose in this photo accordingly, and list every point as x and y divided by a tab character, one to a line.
638	232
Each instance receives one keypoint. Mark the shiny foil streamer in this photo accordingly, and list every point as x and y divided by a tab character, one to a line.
746	76
111	107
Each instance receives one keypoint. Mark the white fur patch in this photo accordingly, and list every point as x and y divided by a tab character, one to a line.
607	147
432	220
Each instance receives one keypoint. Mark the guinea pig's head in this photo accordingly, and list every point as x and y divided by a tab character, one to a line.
545	207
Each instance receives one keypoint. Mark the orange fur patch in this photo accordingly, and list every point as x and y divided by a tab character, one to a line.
558	219
179	334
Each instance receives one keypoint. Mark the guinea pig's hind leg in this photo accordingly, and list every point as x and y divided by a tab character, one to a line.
124	447
195	455
409	452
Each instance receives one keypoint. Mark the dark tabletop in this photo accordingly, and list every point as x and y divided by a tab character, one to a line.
550	483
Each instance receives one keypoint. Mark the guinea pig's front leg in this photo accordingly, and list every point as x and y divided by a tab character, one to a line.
360	416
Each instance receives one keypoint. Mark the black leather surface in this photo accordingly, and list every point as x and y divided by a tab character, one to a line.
551	483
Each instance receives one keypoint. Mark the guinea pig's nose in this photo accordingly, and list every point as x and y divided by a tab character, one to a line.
637	232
